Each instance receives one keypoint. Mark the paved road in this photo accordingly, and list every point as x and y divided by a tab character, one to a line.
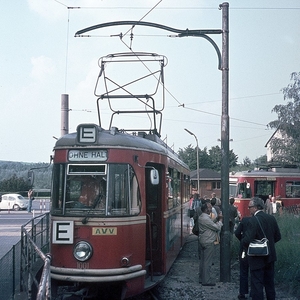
11	222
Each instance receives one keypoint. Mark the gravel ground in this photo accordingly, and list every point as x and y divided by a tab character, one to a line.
182	279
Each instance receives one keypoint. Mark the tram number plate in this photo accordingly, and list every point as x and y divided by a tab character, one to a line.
83	265
104	231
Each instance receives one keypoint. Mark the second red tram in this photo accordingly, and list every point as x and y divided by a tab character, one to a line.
282	183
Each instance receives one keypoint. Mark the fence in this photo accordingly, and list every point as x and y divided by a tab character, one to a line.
294	209
34	245
20	265
10	272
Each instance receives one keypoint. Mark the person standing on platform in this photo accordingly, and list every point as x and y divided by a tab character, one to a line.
243	258
268	205
232	214
208	230
261	267
196	201
274	205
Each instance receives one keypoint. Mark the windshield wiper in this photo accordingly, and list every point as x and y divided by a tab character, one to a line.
96	202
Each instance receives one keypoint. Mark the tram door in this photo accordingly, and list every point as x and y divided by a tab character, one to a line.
154	220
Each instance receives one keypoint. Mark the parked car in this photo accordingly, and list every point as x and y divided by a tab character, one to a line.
13	201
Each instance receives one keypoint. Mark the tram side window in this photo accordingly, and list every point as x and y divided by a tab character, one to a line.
186	188
177	188
58	178
233	192
174	188
123	191
244	190
264	188
292	189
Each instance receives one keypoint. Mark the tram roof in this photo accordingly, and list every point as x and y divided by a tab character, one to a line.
119	139
275	172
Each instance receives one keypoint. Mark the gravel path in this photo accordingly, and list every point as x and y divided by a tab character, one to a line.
182	280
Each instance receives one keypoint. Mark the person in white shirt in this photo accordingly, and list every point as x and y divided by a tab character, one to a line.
274	205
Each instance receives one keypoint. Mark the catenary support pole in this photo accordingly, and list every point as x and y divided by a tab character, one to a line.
225	271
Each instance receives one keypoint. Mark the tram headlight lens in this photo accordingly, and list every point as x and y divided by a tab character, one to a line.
82	251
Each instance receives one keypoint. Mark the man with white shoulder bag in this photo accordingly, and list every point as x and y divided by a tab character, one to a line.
261	226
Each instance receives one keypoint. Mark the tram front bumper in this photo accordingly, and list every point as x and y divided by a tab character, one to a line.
96	275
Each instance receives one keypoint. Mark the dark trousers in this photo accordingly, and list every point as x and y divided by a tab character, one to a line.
244	276
29	205
260	279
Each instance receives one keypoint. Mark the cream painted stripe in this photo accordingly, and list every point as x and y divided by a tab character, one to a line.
124	221
113	223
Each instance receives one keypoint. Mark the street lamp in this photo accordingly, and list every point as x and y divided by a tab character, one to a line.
198	179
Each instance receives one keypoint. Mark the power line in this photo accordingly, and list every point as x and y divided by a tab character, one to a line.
176	8
173	8
218	115
129	47
233	98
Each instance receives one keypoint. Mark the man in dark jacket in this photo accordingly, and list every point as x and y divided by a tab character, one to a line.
232	214
243	258
261	267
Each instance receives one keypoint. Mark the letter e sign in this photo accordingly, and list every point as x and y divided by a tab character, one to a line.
63	232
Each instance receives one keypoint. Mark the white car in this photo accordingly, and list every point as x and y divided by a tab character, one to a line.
13	201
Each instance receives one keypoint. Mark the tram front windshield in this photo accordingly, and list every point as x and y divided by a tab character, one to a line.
95	190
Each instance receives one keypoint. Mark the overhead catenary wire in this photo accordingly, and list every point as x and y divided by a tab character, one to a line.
150	9
175	8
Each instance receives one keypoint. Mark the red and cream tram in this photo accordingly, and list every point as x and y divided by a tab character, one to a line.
282	183
119	211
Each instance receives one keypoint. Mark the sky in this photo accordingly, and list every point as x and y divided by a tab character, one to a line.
41	59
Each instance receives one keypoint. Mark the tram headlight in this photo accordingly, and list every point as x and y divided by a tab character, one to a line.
82	251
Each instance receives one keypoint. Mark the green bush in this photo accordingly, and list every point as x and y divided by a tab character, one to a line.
287	267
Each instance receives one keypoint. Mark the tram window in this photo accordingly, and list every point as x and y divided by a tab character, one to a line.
244	190
153	192
58	190
292	189
174	196
263	188
186	188
86	192
123	195
113	193
177	188
233	190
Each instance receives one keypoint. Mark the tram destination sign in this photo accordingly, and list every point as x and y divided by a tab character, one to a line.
87	155
265	178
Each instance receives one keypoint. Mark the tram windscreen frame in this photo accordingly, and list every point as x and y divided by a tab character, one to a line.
95	190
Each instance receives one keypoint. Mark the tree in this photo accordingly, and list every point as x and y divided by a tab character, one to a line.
189	156
14	184
262	160
286	148
9	169
205	159
215	154
247	162
210	159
